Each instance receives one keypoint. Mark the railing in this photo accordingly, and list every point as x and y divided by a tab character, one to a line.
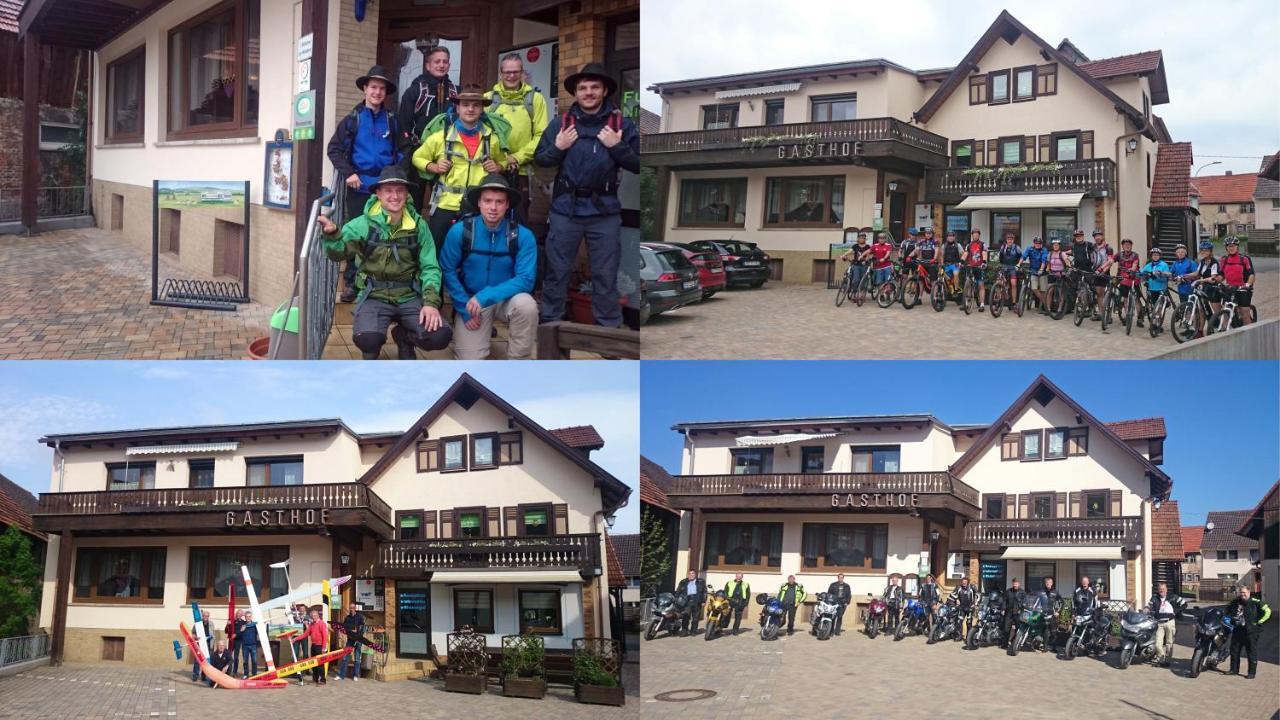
866	129
14	650
579	552
923	482
315	285
51	202
1089	176
1126	531
170	500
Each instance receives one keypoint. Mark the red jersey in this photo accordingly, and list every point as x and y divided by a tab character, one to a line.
976	258
881	252
1235	269
1128	262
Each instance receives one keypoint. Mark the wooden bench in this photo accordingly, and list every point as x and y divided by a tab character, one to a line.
557	339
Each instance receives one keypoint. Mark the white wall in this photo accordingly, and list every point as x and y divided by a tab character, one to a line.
506	613
922	450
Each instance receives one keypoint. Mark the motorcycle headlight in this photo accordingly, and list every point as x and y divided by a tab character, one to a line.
1128	627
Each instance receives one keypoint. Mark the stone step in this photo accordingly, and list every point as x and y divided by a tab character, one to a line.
404	669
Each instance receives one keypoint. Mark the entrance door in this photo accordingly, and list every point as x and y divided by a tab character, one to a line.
413	619
993	574
897	215
463	30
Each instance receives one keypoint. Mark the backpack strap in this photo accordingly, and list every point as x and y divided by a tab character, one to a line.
528	102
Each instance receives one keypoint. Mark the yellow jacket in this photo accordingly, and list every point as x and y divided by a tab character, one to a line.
466	172
526	110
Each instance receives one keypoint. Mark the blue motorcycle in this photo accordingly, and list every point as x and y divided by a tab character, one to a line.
916	619
771	616
1213	640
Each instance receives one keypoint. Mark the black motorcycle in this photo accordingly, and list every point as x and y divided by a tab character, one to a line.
947	622
1213	640
1089	634
669	611
988	629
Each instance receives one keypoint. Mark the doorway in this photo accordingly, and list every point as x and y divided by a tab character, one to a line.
403	34
897	215
413	619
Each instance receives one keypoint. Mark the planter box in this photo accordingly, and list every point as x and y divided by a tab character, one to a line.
474	684
599	694
524	687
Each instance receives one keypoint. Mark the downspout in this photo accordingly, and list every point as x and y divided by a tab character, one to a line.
596	519
62	462
1146	124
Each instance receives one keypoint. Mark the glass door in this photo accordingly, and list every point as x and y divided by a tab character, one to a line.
413	619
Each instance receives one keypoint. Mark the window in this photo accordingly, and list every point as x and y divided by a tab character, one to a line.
1024	83
57	135
1047	79
881	459
428	455
1096	504
1148	169
752	461
126	80
1078	441
1228	554
1055	443
962	153
120	575
1275	203
511	448
455	453
804	201
1010	444
540	612
746	545
1059	225
535	520
957	222
212	570
112	647
413	618
474	609
716	117
1240	227
469	522
977	89
998	87
718	202
1011	150
1041	506
131	476
409	525
833	107
812	460
213	72
1229	576
846	546
1003	222
1222	208
1246	207
1036	573
773	112
200	473
275	471
993	507
1099	575
1031	445
1146	105
1064	146
482	451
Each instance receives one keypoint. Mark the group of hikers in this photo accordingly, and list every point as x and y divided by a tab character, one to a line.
437	202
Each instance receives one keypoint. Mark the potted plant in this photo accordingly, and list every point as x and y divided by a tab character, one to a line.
597	671
467	659
523	670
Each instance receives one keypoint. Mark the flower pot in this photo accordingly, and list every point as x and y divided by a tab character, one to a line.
260	348
474	684
599	694
534	687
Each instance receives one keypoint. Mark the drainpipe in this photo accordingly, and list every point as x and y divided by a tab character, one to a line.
596	519
1146	124
62	462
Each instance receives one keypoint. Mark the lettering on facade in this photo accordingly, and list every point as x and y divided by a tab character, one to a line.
875	500
818	151
277	518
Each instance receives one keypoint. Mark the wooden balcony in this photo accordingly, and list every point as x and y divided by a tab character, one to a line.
1095	178
414	558
874	491
1111	531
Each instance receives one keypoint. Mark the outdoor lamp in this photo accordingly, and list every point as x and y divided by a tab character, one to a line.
1209	526
893	186
933	535
1133	145
609	521
344	559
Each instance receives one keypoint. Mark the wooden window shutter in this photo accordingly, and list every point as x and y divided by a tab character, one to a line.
1010	510
561	513
977	89
1074	503
510	525
1045	156
1047	79
1060	503
1024	506
979	152
1029	153
493	522
993	151
1115	502
429	530
1086	145
446	523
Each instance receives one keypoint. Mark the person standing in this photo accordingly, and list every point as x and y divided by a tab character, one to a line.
196	673
1250	614
249	645
840	592
738	592
1053	602
363	143
975	257
318	634
235	631
1184	272
1013	598
967	600
590	145
1037	259
694	589
791	595
525	109
1236	273
1102	257
1166	608
429	95
859	255
353	623
1085	598
893	598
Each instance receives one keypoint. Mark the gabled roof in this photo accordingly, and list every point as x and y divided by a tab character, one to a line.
1226	188
16	506
9	10
1166	535
628	549
1192	535
1270	167
1006	25
1142	429
1266	509
1161	130
616	577
1223	535
650	122
1171	187
1150	62
1068	48
1266	189
579	437
764	77
1043	389
466	391
654	481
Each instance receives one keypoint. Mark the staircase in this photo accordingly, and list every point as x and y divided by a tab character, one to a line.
404	669
1170	232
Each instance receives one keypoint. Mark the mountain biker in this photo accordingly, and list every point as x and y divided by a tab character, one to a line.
1036	258
1184	271
952	256
1058	260
881	259
695	589
966	597
738	591
858	255
1236	270
905	249
1207	272
1102	257
1081	251
1157	281
893	597
1250	613
1009	253
1165	607
975	257
1085	598
791	595
926	252
840	593
1013	598
1127	264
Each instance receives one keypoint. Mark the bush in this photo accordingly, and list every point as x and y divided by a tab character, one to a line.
20	585
589	669
523	656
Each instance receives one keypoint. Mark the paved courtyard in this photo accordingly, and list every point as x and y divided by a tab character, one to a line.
853	676
96	692
800	321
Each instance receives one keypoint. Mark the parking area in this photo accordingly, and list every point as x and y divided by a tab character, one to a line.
854	676
795	321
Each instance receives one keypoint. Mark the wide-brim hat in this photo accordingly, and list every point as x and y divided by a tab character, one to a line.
493	181
392	175
471	91
591	70
376	73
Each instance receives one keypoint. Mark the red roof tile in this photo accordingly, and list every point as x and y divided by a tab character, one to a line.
1171	187
579	437
1223	535
1137	63
9	11
1215	189
1143	429
650	122
1166	535
16	506
653	483
616	578
1191	537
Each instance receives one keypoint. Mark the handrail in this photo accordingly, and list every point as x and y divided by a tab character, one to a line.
23	648
312	334
577	550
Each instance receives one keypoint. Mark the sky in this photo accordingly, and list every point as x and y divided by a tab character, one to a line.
1223	93
1222	418
40	398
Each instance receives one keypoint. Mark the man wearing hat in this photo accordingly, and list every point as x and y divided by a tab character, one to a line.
363	143
460	153
398	278
429	95
1081	255
590	144
489	264
524	107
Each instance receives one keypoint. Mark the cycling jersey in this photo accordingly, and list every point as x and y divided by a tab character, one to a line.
905	249
976	251
1235	269
951	253
1036	257
1010	254
1101	254
1156	284
1185	266
926	250
1128	262
1082	255
1057	261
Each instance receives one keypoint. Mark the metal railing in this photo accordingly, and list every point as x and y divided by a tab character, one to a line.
401	557
14	650
865	129
1092	177
1126	531
922	482
52	202
315	285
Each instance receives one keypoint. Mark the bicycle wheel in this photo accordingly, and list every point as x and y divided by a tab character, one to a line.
886	293
911	293
843	291
1129	310
1221	321
1155	319
967	297
1057	302
864	285
997	299
938	295
1021	299
1183	327
1108	307
1083	295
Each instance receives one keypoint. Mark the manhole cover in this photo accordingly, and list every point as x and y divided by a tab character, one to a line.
684	695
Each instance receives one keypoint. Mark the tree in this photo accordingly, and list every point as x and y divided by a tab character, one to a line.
655	555
19	583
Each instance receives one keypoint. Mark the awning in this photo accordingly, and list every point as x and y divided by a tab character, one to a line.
757	441
189	449
506	576
1063	552
1020	200
755	91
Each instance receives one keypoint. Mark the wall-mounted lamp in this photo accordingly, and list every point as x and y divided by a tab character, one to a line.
1208	526
893	186
934	535
1131	146
344	559
1156	505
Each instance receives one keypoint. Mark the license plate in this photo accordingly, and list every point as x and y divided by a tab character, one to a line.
690	284
751	263
715	270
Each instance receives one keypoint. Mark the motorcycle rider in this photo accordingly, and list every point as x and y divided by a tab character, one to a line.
929	596
738	591
791	595
1165	607
840	592
1052	601
1250	613
1085	598
967	598
1012	602
893	597
695	589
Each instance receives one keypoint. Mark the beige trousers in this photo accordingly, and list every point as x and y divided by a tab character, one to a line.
1164	640
520	313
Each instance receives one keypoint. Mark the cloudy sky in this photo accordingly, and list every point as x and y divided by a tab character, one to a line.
1221	65
42	398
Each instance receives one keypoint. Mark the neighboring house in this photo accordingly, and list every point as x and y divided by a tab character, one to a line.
650	122
1262	525
1175	206
628	549
1192	565
1167	554
1227	556
1226	204
1045	490
1019	136
16	507
654	481
474	516
1266	204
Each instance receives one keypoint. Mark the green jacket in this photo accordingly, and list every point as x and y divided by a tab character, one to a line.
496	124
527	125
800	594
391	260
731	586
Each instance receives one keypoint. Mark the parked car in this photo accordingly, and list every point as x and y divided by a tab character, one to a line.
670	280
710	266
744	262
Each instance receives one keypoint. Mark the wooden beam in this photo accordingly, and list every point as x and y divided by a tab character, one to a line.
66	551
557	339
309	160
30	130
695	540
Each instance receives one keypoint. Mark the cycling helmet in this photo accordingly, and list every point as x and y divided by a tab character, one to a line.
1126	241
1155	251
1077	233
1233	240
1206	245
1037	239
1054	241
1096	233
911	231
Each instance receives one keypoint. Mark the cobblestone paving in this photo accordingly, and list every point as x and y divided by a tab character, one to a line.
799	321
853	676
95	692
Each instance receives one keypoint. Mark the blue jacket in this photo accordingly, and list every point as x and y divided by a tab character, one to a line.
588	165
1185	266
363	143
249	638
1036	257
1156	284
488	273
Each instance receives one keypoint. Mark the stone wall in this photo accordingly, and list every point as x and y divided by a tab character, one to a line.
55	167
357	52
582	35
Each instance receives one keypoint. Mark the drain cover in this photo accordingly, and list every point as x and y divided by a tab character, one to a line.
684	695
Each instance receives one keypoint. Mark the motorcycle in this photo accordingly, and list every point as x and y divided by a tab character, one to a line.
668	612
915	620
824	616
877	615
1213	640
988	629
718	613
1138	638
1031	626
771	615
1089	633
947	623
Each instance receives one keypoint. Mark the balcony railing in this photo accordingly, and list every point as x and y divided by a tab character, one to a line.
577	552
924	483
1093	177
179	500
758	136
1126	531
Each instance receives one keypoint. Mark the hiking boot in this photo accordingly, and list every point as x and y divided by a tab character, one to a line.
404	349
348	295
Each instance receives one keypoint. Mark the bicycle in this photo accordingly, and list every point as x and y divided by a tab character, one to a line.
1226	318
1191	315
864	285
922	282
845	290
1111	300
1158	306
961	293
1086	299
1062	293
1000	291
890	291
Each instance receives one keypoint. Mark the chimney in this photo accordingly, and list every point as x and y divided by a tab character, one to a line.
1228	172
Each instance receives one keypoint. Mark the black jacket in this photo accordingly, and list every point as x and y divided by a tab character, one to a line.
1013	599
682	588
1252	612
420	103
588	173
929	593
354	622
840	592
893	594
967	596
1084	599
1053	597
220	660
1175	601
